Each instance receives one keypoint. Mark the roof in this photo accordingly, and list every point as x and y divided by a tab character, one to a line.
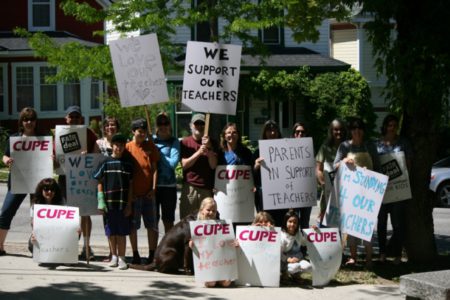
10	42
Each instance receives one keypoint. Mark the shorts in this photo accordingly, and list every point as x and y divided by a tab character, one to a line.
145	207
166	198
116	223
191	198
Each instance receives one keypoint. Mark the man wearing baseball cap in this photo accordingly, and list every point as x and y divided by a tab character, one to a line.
199	160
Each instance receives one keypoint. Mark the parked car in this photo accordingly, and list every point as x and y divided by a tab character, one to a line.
440	181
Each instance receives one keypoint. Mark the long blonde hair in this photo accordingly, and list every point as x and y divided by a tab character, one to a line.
263	217
205	202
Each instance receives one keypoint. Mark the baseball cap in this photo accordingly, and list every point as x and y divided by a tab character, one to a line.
73	109
198	117
119	138
139	123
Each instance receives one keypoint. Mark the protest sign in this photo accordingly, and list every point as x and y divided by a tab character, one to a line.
211	77
56	231
138	70
81	187
69	139
325	253
360	193
214	250
32	162
394	166
235	198
259	255
288	173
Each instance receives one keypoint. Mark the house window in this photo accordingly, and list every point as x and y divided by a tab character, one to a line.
41	16
48	91
24	87
71	94
271	35
95	93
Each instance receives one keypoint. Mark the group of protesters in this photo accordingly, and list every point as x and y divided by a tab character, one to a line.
137	179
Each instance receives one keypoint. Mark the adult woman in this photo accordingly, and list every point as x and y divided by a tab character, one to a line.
326	155
26	127
269	131
233	152
110	128
391	142
357	151
304	213
166	186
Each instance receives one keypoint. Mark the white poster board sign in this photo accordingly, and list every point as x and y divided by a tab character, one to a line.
211	77
138	70
32	162
259	255
394	166
69	139
56	231
81	187
214	250
325	253
360	195
235	198
288	173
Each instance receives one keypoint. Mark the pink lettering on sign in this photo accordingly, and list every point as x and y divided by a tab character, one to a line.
251	235
48	213
31	145
211	229
234	174
317	237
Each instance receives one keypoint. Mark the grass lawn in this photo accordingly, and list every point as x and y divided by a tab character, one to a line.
4	174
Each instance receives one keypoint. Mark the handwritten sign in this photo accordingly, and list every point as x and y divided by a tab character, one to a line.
211	77
32	162
81	187
288	173
235	198
394	166
55	229
214	251
259	255
69	139
360	195
325	253
138	70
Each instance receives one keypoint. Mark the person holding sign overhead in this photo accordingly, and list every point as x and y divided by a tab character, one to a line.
199	160
145	157
12	202
357	151
391	142
269	131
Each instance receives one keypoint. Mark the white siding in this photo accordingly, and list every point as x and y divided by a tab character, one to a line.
256	106
114	35
322	45
367	61
345	46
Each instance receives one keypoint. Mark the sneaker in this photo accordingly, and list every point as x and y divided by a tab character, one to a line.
114	261
136	258
122	264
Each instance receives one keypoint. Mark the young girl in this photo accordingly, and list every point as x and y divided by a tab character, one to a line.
208	211
263	218
47	192
292	261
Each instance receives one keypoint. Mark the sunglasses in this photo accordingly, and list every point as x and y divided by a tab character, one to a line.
29	119
299	131
48	188
75	116
199	123
163	123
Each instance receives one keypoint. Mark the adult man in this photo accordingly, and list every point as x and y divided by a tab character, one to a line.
145	156
74	117
199	159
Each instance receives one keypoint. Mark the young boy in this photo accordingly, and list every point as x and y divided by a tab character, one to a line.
114	177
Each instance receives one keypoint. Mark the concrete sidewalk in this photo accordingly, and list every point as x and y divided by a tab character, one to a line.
21	278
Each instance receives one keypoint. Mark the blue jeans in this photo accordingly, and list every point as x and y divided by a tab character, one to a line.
10	206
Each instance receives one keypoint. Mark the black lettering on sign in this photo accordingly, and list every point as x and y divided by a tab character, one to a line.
392	169
70	142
